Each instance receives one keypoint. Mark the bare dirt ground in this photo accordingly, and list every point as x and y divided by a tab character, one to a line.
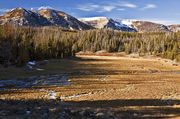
102	87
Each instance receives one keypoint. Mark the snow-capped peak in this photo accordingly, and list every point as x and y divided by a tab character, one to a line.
127	22
104	22
18	8
44	8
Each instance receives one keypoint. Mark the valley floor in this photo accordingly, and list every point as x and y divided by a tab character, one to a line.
107	87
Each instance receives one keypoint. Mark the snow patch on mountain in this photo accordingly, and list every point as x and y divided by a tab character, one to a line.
104	22
92	18
44	8
127	22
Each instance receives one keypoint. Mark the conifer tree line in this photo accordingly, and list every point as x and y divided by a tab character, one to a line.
21	44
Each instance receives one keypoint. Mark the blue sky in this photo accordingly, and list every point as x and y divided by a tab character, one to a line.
164	11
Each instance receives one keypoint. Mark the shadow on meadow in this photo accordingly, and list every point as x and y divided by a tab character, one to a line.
131	108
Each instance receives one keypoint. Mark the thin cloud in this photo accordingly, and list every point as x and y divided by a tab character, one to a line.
128	5
149	6
93	7
108	8
88	7
105	7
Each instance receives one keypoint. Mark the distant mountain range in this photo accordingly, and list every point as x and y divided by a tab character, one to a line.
50	17
104	22
43	17
127	25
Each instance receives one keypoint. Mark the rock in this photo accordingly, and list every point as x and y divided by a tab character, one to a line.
33	63
28	112
39	69
52	95
100	114
52	109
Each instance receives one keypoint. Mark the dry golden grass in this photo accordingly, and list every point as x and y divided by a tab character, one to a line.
145	86
106	77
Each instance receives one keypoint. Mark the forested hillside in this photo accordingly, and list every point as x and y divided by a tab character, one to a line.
21	44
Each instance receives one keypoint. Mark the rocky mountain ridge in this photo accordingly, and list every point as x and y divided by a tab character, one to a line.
50	17
43	17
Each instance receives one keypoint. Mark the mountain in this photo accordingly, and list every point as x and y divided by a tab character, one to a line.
50	17
104	22
23	17
174	28
125	24
62	19
43	17
146	26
